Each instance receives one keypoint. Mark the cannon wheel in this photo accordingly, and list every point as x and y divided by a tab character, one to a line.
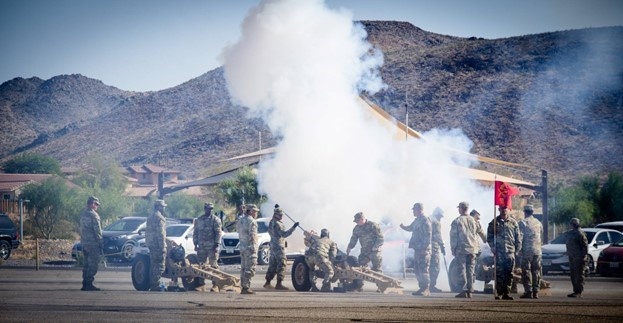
300	275
140	273
453	277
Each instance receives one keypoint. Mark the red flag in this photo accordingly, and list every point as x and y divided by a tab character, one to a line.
503	193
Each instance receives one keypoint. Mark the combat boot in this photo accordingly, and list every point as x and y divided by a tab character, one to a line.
468	294
535	295
89	288
246	290
326	287
268	285
279	286
507	297
575	295
462	294
526	295
214	287
435	289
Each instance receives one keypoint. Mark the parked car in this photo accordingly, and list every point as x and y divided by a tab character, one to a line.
181	234
616	225
610	261
120	237
230	245
555	253
9	236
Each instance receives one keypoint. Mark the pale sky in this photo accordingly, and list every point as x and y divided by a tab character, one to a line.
149	45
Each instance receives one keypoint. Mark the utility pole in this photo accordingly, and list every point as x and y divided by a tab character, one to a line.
21	219
544	202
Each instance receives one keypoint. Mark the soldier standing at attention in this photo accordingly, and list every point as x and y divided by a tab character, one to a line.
504	239
464	245
531	231
155	240
92	243
278	261
322	252
370	237
247	233
438	249
207	238
421	234
577	249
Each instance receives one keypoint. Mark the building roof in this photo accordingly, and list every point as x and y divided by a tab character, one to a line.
150	169
12	182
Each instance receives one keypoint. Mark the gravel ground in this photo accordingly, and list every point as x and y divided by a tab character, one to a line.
50	252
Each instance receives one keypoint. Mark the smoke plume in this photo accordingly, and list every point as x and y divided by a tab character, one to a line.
301	67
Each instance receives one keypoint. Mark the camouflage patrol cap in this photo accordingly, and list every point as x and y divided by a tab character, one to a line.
464	205
94	200
474	213
575	222
324	233
359	216
252	207
208	205
528	207
419	206
160	203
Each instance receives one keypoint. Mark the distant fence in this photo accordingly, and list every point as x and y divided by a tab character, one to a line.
9	206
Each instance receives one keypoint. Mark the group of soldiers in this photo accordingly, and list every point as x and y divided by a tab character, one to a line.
509	240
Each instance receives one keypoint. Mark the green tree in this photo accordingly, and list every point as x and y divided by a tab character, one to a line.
32	163
180	205
610	199
50	204
241	189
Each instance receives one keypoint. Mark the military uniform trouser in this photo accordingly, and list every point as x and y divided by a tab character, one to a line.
324	264
371	256
421	262
157	257
504	265
276	264
576	271
208	255
465	264
248	261
92	255
435	266
531	273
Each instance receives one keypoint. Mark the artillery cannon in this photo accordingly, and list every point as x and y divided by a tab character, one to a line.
178	265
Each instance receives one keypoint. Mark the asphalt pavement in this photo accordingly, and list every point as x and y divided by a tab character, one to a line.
52	294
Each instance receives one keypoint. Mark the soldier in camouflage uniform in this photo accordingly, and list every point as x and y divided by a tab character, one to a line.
531	231
421	233
278	261
437	249
370	237
207	238
92	243
155	239
464	245
504	238
247	233
321	252
480	231
577	249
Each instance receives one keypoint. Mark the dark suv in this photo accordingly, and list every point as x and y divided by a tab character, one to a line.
120	238
9	236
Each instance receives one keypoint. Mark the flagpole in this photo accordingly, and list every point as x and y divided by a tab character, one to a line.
495	247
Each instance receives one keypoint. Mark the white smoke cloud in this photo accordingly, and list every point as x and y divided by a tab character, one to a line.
301	66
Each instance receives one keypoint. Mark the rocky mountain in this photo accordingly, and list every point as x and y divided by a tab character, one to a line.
552	100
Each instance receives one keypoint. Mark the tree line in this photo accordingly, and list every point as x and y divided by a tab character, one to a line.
56	204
